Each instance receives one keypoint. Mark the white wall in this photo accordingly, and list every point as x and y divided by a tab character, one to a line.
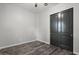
37	25
44	23
17	25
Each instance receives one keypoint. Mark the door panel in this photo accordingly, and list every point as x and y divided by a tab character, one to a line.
67	21
53	23
66	41
54	39
61	29
53	30
67	29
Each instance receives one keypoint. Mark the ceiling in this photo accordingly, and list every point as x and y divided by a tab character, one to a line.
31	6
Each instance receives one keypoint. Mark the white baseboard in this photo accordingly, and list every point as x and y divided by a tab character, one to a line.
15	44
43	41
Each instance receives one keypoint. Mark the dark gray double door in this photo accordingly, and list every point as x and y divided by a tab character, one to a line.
61	29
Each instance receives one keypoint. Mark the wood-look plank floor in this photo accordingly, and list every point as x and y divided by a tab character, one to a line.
34	48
